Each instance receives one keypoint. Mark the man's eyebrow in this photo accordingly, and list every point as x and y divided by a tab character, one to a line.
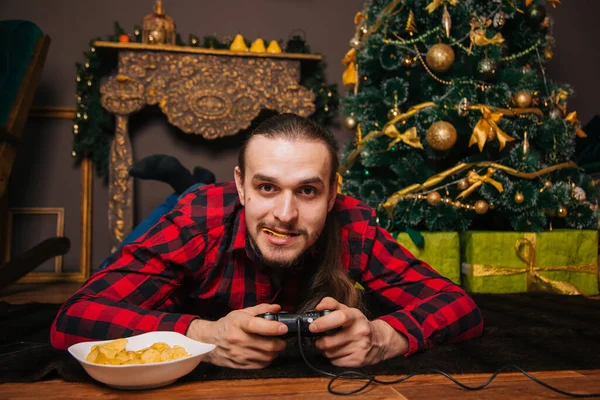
264	178
313	180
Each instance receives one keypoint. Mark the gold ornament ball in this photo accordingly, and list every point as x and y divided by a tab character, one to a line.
440	57
393	113
562	212
463	184
548	184
447	200
523	99
457	204
434	198
519	198
481	207
350	122
555	113
441	135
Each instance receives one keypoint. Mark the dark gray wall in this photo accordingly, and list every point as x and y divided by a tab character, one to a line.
44	173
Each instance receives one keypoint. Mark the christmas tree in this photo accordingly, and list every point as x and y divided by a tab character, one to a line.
457	124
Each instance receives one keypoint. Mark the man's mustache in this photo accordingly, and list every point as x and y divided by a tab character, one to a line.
282	227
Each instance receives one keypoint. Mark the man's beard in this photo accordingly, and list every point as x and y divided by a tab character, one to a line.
274	264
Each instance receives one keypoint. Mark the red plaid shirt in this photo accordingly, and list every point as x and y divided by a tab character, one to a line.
197	262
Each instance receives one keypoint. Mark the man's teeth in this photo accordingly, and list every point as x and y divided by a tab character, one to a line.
276	234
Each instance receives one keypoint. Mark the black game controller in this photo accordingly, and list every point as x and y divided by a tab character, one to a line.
291	321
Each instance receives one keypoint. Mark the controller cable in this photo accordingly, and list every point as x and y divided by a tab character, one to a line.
370	379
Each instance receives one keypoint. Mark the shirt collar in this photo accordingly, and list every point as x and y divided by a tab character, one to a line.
239	231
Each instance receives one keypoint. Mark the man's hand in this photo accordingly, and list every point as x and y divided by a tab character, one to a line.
360	342
242	340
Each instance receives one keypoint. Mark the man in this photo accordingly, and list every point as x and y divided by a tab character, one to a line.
280	238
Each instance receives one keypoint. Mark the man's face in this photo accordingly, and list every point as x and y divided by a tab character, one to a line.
287	194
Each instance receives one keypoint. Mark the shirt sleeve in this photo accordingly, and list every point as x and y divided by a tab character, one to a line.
430	309
140	288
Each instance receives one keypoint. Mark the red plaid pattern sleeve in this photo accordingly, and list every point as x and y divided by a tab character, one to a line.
430	309
144	286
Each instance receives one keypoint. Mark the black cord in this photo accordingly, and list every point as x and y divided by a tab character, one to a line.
371	379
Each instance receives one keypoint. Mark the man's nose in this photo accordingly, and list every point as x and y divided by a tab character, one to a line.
286	209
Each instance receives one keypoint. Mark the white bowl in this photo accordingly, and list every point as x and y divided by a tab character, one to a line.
144	376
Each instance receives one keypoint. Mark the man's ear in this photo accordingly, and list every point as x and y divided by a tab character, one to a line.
239	183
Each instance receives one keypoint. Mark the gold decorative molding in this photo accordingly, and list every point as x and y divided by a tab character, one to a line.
85	255
212	93
120	188
52	112
60	229
199	50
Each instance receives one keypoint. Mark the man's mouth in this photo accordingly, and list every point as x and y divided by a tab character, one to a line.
279	234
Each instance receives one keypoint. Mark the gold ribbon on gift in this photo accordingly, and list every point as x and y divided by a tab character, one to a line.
572	119
476	180
487	127
436	179
350	73
409	137
526	249
431	7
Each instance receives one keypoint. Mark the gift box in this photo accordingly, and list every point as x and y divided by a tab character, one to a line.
438	249
561	261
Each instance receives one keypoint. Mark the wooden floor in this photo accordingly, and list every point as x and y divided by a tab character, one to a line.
507	386
513	386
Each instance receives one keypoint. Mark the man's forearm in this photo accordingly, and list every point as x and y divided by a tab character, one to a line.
81	319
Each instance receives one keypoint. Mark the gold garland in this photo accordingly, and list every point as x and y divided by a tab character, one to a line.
393	200
387	130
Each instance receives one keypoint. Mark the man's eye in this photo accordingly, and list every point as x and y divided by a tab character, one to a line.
308	191
266	188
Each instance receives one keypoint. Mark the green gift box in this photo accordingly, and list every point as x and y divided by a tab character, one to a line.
440	250
561	261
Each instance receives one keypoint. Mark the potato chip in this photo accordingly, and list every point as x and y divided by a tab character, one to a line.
114	353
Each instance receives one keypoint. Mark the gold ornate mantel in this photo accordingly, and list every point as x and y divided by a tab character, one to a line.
208	92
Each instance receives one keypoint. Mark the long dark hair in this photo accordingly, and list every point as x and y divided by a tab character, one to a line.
330	278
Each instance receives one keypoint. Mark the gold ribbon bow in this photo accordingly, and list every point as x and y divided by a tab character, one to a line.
409	137
572	119
526	249
487	128
476	180
350	73
431	7
478	31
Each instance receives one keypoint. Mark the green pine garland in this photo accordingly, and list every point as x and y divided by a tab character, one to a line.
93	127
